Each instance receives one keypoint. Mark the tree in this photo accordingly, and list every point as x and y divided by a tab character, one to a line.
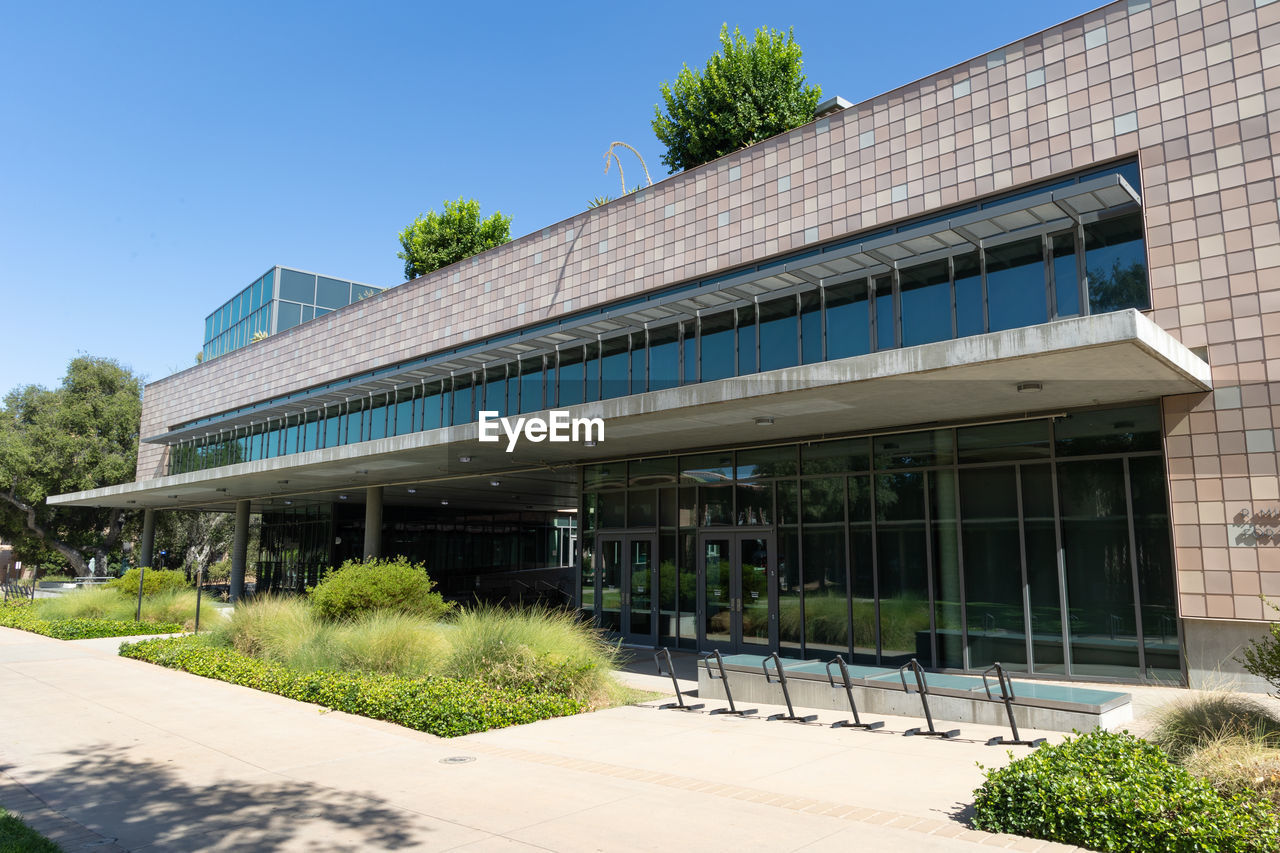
748	92
439	239
81	435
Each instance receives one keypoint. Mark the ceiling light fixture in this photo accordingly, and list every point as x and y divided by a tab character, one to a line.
342	497
413	491
444	503
464	458
495	482
1030	387
764	421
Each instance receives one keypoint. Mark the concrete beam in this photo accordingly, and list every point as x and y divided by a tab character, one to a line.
239	550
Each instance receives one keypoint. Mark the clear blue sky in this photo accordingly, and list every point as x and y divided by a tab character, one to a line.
157	157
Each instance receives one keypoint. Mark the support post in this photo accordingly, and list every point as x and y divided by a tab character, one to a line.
148	537
239	550
373	522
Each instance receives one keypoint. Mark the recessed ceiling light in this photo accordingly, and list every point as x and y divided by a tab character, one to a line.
282	482
362	471
222	488
444	503
413	491
288	503
589	444
464	458
1029	387
495	482
764	421
342	497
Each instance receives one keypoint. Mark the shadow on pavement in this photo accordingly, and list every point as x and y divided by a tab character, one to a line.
146	803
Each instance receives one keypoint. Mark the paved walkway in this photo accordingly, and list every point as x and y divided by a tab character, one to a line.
111	754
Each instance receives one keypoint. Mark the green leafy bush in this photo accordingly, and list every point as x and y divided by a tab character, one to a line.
1114	791
26	617
173	606
157	580
445	707
396	585
1262	657
17	837
1184	726
219	572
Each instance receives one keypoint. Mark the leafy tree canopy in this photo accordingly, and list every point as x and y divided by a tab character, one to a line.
749	91
81	435
439	239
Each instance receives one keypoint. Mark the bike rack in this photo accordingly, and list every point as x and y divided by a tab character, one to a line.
664	655
722	676
790	716
848	690
923	689
1006	696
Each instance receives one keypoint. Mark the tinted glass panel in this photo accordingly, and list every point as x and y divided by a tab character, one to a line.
530	385
593	372
746	340
360	291
767	462
829	457
1041	543
1108	431
848	320
914	449
1001	442
639	377
1066	280
946	568
430	408
1155	566
811	327
1016	285
689	352
614	368
572	377
926	303
862	569
902	568
826	592
706	468
297	286
886	318
993	567
288	315
1116	264
716	346
664	357
779	334
332	293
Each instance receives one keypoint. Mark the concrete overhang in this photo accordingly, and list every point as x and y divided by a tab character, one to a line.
1114	358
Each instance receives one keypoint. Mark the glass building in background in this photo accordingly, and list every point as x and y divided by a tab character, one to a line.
278	300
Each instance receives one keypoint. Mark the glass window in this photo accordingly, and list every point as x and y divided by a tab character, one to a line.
352	427
926	303
288	315
403	422
297	286
1155	567
653	472
715	505
835	457
1003	442
572	377
947	612
604	475
913	449
639	374
1116	264
993	567
707	468
886	317
1066	277
848	320
362	291
689	352
378	421
664	357
1095	541
593	372
902	568
826	589
779	334
755	503
429	406
1108	431
614	368
862	570
331	293
1041	544
462	399
642	508
208	328
822	500
767	462
531	385
811	327
716	346
311	433
790	584
1015	285
746	340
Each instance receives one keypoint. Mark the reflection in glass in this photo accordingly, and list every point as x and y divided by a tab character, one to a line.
766	462
572	376
614	368
611	584
716	345
1041	544
1066	278
829	457
946	569
790	625
1015	285
779	334
901	567
811	327
746	340
717	614
865	624
639	358
925	295
664	357
1155	575
1116	264
640	586
886	317
1003	442
993	567
754	588
848	320
531	385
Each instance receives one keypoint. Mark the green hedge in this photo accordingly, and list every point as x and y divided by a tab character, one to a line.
441	706
25	617
1113	791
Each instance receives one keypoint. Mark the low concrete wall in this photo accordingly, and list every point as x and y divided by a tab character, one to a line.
751	687
1212	646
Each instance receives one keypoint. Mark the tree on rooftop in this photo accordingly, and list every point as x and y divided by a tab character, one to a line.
749	91
81	435
439	239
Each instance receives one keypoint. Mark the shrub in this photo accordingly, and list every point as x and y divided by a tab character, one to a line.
396	585
442	706
157	580
1114	791
1234	764
532	649
1262	657
1184	726
26	617
170	606
219	572
57	578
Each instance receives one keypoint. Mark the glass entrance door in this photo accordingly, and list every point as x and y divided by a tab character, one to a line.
627	579
737	592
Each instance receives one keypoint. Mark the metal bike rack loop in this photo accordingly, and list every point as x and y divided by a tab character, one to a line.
923	689
1007	697
724	677
848	690
661	657
790	716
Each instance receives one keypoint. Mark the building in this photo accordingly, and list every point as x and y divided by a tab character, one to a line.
278	300
979	369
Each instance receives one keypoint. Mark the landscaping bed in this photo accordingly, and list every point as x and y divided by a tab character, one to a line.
446	707
26	616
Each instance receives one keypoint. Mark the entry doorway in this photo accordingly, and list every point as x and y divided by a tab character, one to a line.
628	577
738	592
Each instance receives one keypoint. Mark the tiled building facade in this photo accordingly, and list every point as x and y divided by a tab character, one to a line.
1188	88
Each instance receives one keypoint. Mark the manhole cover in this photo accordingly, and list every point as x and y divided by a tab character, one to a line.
458	759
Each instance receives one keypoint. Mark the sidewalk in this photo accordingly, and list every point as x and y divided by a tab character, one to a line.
124	755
